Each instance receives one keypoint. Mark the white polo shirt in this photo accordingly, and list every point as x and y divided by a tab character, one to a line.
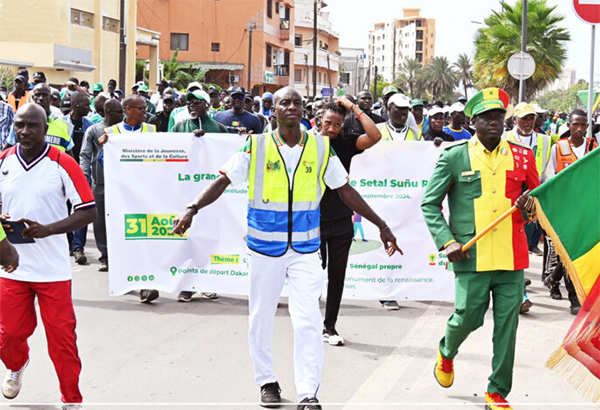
38	191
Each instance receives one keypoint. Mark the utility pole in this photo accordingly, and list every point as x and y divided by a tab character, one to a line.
251	26
375	84
329	75
122	49
315	50
523	49
307	76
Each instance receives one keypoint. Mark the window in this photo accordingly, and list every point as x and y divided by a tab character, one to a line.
419	34
419	23
277	7
298	40
298	75
383	36
179	41
82	18
269	58
270	9
287	13
419	46
383	47
215	47
111	25
345	78
419	57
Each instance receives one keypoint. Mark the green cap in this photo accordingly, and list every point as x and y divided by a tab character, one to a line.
487	100
143	88
97	87
390	89
416	102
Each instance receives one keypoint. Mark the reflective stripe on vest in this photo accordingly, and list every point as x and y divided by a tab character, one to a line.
145	128
277	216
565	155
58	134
386	135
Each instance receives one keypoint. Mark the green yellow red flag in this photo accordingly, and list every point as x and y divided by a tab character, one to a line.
568	208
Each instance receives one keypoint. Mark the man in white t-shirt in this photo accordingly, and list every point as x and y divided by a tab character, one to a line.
36	180
283	247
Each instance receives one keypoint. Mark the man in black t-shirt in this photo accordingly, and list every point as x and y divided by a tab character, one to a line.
336	217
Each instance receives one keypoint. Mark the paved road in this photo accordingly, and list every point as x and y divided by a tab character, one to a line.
170	355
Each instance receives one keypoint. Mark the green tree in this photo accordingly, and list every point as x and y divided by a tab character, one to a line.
409	76
381	84
497	42
182	74
440	78
562	100
464	66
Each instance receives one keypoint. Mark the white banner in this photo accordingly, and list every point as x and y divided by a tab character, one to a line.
149	178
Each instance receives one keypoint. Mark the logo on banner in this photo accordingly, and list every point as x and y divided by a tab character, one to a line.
142	278
432	259
150	226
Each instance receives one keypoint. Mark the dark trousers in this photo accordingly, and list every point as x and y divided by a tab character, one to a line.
336	238
100	223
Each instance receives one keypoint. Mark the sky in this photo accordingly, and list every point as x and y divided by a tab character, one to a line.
353	19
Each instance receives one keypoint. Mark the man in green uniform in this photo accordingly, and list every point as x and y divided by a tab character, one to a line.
483	177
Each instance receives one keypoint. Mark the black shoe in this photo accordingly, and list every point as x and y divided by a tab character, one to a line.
527	282
574	309
555	293
310	403
535	250
332	337
270	396
148	295
79	256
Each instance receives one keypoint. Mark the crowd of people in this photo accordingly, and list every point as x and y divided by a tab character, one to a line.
53	145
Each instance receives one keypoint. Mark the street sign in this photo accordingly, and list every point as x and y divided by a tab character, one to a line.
269	77
521	65
587	10
327	92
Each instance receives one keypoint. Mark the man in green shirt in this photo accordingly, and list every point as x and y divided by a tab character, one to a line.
200	122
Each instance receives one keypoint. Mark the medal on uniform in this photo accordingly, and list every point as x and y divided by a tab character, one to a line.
525	166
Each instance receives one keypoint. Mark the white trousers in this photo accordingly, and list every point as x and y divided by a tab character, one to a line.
306	281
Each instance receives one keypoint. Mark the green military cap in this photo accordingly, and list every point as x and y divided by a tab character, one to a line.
416	102
97	87
487	100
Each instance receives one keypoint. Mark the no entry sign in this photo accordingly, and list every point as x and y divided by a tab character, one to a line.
587	10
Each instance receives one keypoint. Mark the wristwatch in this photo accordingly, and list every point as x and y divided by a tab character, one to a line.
193	206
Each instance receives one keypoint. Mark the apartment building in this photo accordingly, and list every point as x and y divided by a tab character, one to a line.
328	58
391	41
66	38
226	37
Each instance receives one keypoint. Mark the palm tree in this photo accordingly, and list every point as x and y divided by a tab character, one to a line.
409	75
439	77
179	73
465	71
497	42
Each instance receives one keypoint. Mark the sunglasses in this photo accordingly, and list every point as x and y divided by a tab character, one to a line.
238	96
144	108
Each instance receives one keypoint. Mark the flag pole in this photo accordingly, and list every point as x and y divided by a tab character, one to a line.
489	228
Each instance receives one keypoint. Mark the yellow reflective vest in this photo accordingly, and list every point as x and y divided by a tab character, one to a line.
283	215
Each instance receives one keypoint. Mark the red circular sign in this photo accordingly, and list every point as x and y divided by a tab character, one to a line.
587	10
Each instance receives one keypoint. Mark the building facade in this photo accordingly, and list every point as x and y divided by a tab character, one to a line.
394	40
328	58
66	38
215	36
353	73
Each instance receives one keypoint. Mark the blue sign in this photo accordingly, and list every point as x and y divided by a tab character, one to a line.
327	92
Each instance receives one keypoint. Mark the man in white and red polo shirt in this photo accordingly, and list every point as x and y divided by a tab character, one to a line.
36	180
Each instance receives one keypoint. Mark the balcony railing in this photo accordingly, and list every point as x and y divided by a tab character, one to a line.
284	29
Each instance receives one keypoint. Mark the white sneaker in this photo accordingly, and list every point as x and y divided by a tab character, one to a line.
11	386
331	336
73	406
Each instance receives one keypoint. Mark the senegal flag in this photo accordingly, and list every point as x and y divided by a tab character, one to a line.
568	208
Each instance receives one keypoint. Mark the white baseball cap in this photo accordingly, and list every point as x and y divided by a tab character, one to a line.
435	110
399	100
456	107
